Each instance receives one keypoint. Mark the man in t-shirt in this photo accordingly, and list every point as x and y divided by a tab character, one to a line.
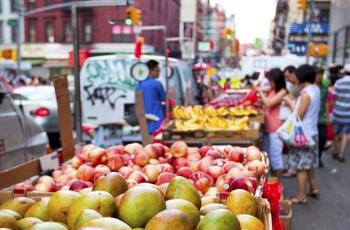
291	84
341	113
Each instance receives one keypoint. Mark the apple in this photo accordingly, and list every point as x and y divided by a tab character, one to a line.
78	185
85	151
117	199
161	148
97	156
71	172
254	182
125	171
212	191
63	179
112	150
45	178
101	170
46	186
205	163
229	165
115	162
236	154
253	153
130	148
56	174
204	149
165	177
24	185
193	155
136	167
256	166
220	162
152	151
226	150
185	172
65	167
152	172
153	161
213	154
140	157
165	167
78	160
242	183
235	172
85	173
201	181
193	164
89	183
179	163
138	176
215	171
71	181
59	186
248	173
179	149
223	183
163	187
131	183
128	160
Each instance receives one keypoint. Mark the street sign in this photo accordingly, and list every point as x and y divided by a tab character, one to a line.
12	22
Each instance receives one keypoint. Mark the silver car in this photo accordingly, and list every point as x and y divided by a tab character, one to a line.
40	102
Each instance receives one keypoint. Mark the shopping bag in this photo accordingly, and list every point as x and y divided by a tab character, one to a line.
286	132
302	136
330	133
285	112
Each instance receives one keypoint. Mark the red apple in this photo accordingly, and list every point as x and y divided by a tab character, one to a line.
213	154
45	178
165	177
89	183
179	163
179	149
235	172
78	160
152	172
223	183
229	165
112	150
163	187
215	171
71	172
63	179
97	156
193	164
226	150
78	185
65	167
193	155
140	157
115	162
253	153
201	181
152	151
204	149
130	148
165	167
56	174
185	172
236	154
24	185
254	182
248	173
205	163
125	171
257	166
71	181
59	186
161	149
85	173
47	186
101	170
220	162
242	183
85	151
136	168
138	176
153	161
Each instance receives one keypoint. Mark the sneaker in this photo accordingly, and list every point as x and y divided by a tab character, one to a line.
335	155
341	158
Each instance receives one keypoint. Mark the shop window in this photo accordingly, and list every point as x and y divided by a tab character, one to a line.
1	32
13	6
32	32
87	31
31	5
49	32
68	32
13	34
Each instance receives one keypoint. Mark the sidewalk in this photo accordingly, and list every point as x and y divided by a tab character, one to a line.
332	209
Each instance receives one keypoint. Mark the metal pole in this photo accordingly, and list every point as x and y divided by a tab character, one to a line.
77	96
21	9
309	33
166	74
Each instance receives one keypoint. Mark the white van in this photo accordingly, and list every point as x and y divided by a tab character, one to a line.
107	88
21	139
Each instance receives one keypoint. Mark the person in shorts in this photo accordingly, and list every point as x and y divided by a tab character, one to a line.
341	114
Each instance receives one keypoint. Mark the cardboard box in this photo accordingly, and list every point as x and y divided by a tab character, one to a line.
263	211
286	219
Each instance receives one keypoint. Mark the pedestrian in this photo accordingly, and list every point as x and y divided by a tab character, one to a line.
305	158
271	143
323	115
341	114
214	90
202	96
153	95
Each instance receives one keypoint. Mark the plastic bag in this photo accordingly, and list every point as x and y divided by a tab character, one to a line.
302	136
286	132
330	133
272	192
250	98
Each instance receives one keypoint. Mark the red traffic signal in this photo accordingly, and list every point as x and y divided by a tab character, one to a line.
138	49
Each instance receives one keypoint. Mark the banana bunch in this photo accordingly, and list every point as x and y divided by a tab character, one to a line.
181	112
198	110
210	111
189	125
239	124
239	111
215	123
223	111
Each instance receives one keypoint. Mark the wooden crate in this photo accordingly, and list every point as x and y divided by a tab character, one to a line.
171	133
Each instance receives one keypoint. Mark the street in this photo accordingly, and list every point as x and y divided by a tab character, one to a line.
332	209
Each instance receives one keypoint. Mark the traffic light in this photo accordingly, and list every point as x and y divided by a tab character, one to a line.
138	47
312	49
136	15
228	33
322	50
302	5
128	20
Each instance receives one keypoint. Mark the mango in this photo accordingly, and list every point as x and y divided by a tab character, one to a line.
39	210
210	207
59	204
113	182
107	223
48	225
186	207
19	204
220	219
240	201
170	219
84	217
27	222
250	222
8	221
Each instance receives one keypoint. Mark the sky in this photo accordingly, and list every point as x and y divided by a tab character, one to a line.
253	17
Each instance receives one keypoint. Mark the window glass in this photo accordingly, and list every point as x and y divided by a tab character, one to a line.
49	32
87	31
13	6
68	32
13	34
32	32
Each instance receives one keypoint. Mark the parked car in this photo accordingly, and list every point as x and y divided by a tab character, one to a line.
21	139
40	102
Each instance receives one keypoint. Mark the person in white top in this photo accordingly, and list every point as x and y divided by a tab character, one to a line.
305	159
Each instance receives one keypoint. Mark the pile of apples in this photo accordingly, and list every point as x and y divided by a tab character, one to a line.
211	169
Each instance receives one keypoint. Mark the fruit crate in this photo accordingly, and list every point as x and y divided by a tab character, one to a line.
171	133
252	134
263	211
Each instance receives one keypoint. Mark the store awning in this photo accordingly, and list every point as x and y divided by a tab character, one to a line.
55	63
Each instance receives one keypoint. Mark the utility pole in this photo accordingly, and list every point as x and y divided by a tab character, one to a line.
309	32
20	9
